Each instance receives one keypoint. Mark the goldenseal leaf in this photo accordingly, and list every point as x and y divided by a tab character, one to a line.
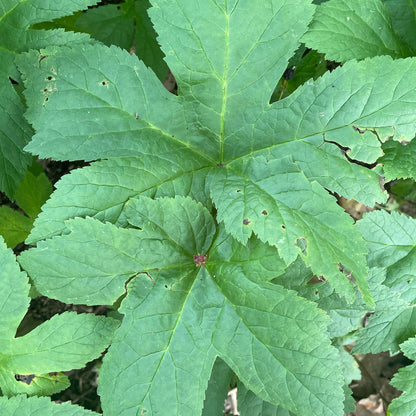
102	189
201	313
323	126
275	200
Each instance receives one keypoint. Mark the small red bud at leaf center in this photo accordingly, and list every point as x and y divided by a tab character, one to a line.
200	260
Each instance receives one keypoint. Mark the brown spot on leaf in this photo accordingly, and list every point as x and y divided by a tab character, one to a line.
246	221
264	212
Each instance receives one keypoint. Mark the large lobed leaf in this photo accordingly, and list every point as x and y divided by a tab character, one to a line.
114	106
182	310
206	307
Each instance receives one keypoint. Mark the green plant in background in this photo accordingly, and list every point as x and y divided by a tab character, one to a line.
31	194
32	363
207	214
16	36
366	29
126	25
29	406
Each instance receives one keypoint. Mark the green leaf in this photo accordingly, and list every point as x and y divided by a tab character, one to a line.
399	160
393	322
217	390
121	253
174	352
354	29
345	317
29	406
258	260
16	16
226	76
80	279
26	360
14	133
126	25
93	102
403	19
404	380
356	97
391	242
336	111
251	405
30	196
121	102
303	66
201	312
33	193
102	189
14	226
275	200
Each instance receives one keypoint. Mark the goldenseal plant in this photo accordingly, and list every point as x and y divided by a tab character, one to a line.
203	216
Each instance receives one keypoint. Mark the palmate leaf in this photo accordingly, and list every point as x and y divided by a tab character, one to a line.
115	107
208	305
101	103
16	16
26	361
